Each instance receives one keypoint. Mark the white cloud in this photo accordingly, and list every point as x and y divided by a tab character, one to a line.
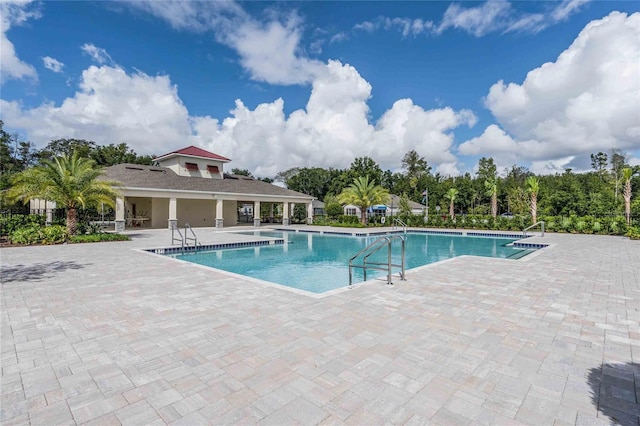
479	20
406	26
337	38
109	107
146	112
269	51
98	54
588	100
52	64
14	13
490	16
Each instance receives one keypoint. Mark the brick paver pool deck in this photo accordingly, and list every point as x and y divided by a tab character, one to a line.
106	334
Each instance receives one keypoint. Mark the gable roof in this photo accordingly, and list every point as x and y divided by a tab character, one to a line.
193	151
158	178
395	201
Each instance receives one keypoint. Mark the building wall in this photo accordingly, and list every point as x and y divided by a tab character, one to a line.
197	213
178	165
159	213
230	213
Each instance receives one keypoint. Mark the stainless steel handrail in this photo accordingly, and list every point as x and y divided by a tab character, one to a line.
186	236
541	223
174	228
373	248
397	221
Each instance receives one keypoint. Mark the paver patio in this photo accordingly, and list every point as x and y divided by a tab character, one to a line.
106	334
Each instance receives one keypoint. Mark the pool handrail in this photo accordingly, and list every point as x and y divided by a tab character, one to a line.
397	221
174	228
540	222
373	248
186	235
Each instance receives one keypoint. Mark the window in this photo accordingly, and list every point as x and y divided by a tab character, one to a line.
213	169
191	166
351	211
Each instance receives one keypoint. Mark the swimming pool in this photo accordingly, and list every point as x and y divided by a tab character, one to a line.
318	263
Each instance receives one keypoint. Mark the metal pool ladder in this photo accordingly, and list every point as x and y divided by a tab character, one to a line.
184	238
373	248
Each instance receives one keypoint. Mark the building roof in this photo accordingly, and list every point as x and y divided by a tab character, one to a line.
152	177
193	151
395	202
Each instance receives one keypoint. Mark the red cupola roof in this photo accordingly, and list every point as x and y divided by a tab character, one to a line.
193	151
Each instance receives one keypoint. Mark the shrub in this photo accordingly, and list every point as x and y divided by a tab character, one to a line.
29	234
96	238
348	219
634	233
10	224
54	234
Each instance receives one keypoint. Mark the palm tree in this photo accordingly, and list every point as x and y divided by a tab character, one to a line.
363	194
491	186
69	181
627	172
451	195
533	186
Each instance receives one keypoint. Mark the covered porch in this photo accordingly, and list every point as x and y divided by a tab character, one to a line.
167	209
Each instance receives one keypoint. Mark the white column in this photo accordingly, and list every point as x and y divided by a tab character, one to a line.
285	213
219	210
173	213
309	213
256	214
119	224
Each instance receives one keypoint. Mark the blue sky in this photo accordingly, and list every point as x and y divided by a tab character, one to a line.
279	85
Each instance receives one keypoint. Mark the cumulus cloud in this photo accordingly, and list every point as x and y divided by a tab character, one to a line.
52	64
334	128
14	13
98	54
588	100
110	106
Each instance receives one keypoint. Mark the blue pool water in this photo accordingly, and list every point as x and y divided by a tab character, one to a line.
318	262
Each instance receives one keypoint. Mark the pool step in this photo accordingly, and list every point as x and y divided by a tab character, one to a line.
520	253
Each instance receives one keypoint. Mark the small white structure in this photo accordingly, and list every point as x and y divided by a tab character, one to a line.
392	208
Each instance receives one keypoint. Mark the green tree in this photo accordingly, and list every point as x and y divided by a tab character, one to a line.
366	166
403	205
70	181
491	189
627	172
451	195
241	172
67	147
313	181
363	193
332	207
111	154
599	163
618	162
415	165
533	187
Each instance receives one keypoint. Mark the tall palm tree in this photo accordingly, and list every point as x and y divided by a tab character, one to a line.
69	181
533	186
491	186
627	172
363	194
451	195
